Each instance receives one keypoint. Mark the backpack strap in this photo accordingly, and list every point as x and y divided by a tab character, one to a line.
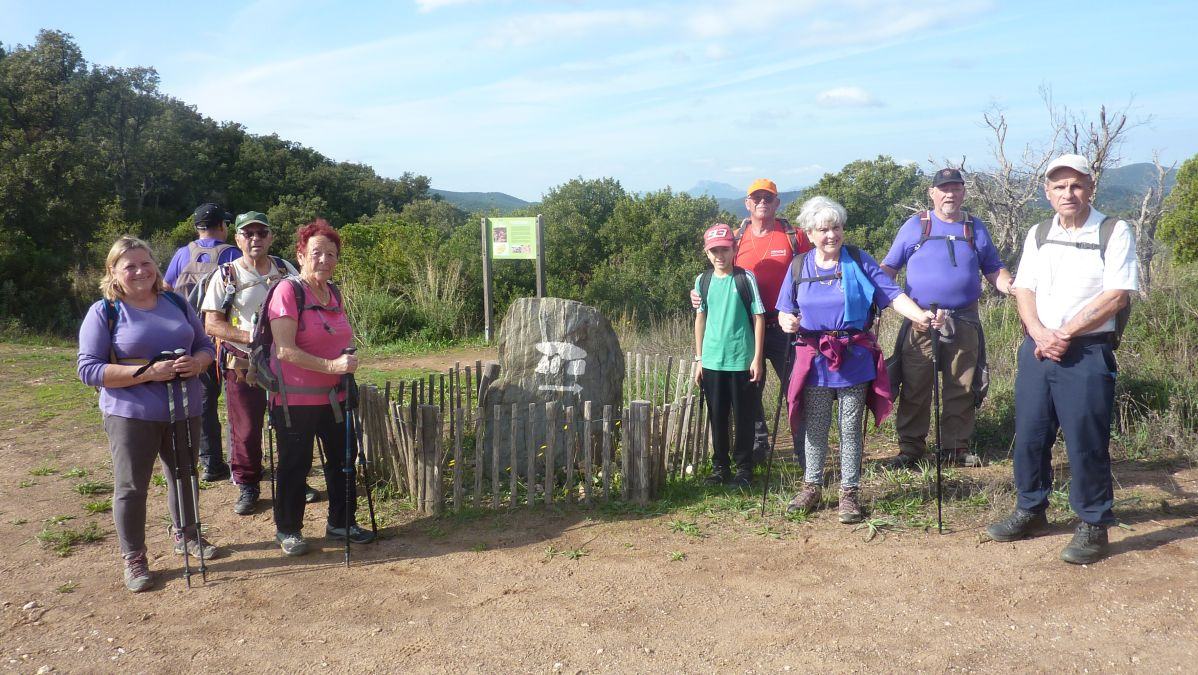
739	277
967	235
792	235
796	271
112	314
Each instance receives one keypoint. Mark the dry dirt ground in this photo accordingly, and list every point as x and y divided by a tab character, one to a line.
570	590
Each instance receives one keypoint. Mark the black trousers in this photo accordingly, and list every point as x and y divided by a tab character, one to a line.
1077	396
731	392
775	349
309	422
211	446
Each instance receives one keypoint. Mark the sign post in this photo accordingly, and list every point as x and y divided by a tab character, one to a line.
510	239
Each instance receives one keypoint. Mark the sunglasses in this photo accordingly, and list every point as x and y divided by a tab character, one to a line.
250	234
764	199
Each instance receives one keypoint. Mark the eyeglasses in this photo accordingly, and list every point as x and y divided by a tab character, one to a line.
250	234
764	199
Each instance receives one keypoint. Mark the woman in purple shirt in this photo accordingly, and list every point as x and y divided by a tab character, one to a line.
836	356
134	322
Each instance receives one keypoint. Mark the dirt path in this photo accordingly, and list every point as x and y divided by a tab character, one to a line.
500	592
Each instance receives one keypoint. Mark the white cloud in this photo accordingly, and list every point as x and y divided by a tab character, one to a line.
536	29
426	6
846	97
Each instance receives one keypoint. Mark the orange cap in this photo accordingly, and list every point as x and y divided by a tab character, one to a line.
762	184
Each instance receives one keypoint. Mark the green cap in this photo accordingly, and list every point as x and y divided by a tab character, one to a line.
251	217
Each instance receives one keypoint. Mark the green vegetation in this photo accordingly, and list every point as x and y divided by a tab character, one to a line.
98	506
43	470
93	487
76	472
1179	227
63	540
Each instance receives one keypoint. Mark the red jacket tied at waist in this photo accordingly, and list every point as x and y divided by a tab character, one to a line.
877	396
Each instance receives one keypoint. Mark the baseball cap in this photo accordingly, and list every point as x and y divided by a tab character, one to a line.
717	235
762	184
210	215
250	217
1076	162
945	176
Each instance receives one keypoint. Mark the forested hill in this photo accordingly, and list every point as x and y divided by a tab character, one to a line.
88	150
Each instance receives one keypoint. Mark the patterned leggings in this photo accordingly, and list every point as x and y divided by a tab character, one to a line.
817	412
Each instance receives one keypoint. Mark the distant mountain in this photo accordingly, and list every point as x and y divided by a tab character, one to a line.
715	189
482	202
736	205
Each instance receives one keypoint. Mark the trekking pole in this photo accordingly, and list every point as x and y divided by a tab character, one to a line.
374	527
935	335
270	451
347	466
174	422
783	385
184	386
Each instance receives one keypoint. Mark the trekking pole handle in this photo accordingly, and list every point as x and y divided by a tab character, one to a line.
160	357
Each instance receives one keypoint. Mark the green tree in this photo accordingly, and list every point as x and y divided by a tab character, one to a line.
574	212
1179	227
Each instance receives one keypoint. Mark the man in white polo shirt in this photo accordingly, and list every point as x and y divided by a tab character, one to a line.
1076	274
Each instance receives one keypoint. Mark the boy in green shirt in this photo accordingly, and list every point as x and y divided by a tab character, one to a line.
729	338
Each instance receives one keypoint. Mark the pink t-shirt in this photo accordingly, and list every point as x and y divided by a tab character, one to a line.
323	331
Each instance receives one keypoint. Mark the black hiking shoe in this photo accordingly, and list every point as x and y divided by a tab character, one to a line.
743	480
719	476
1017	526
247	500
214	472
356	534
901	461
311	496
1089	545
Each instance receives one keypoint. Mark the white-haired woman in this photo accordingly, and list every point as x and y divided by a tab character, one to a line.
827	298
136	321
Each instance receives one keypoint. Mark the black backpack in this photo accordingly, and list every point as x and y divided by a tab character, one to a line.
259	372
111	314
796	271
925	220
740	278
1105	230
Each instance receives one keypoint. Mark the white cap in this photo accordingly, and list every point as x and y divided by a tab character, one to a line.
1076	162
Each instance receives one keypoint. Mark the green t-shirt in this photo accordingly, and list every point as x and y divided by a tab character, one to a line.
728	333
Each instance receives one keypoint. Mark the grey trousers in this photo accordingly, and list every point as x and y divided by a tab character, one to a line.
135	444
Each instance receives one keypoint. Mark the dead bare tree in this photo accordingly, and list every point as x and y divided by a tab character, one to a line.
1152	208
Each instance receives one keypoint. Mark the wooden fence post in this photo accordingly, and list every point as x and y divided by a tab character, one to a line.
607	431
550	449
496	434
588	453
530	433
514	465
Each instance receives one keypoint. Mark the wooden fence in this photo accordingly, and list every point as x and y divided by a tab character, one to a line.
432	443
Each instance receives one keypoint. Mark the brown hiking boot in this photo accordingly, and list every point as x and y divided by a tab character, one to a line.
850	506
807	499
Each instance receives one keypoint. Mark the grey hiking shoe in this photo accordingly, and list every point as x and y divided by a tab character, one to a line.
195	546
292	544
1089	545
960	457
247	500
356	534
137	573
806	501
850	510
214	472
1017	526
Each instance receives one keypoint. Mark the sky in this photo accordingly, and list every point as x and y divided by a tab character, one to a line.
518	97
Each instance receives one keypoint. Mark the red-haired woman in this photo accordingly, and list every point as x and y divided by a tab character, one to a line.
311	332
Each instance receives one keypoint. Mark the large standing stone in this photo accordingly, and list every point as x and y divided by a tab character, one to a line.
552	349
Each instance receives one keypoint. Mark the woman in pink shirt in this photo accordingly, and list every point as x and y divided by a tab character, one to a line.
311	333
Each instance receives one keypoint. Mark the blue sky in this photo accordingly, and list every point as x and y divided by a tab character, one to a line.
495	95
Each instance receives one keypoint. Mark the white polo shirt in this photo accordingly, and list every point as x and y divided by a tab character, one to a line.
1065	279
250	291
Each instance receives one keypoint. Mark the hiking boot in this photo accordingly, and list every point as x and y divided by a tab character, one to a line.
743	480
806	501
310	494
247	500
137	573
960	457
356	534
1089	545
1019	525
901	461
214	472
719	476
292	544
194	546
850	510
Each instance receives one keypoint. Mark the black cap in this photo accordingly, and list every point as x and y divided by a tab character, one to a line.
947	176
210	215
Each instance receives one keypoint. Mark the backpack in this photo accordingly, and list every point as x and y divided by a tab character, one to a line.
231	287
260	373
189	284
740	278
796	270
111	314
1105	230
790	231
925	220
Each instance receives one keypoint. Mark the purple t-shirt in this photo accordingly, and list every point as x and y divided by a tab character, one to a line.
821	306
140	334
178	262
931	275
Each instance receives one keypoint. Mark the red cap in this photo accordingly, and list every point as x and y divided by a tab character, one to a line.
717	235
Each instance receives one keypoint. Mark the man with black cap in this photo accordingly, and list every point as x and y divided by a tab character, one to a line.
190	264
946	252
1076	274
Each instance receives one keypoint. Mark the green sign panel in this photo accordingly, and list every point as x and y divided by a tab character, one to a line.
513	238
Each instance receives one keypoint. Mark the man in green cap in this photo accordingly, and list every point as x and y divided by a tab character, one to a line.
232	299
